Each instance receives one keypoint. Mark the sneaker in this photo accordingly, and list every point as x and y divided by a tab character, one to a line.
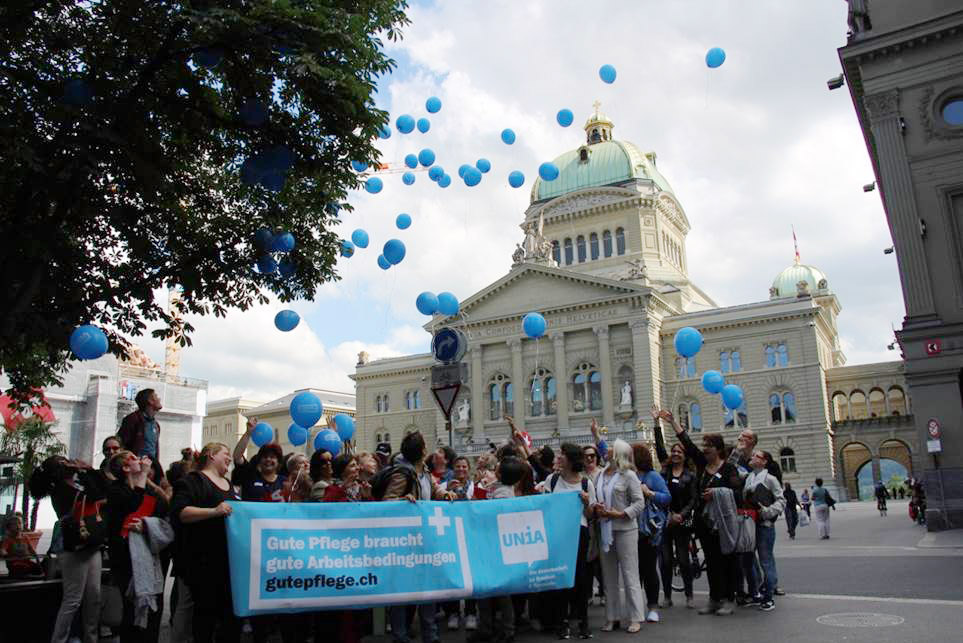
689	602
748	601
667	603
779	591
563	633
471	622
725	609
711	608
584	632
767	606
652	617
454	622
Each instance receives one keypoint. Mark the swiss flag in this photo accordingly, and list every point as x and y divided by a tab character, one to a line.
13	418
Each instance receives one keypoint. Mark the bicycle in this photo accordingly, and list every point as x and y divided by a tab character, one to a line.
698	565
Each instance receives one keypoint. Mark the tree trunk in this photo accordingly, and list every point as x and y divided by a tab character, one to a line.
33	515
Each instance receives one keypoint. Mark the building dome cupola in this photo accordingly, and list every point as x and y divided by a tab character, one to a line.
799	280
598	128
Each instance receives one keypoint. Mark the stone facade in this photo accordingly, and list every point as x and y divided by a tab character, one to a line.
903	65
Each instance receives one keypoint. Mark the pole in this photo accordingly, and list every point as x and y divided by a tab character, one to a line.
451	436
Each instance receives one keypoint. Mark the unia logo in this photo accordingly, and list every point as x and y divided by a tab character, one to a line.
522	537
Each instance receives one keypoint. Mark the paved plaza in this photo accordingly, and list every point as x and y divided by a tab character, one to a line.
879	579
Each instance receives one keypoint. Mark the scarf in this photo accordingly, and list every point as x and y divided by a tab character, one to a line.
607	489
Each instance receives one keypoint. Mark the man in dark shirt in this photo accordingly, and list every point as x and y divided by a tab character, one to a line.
140	431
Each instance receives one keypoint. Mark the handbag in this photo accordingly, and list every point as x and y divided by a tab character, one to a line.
745	533
85	532
652	522
803	519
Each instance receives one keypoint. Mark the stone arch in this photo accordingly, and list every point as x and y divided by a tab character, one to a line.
898	451
877	402
852	457
840	406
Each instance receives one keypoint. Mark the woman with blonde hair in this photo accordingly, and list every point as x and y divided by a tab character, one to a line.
199	508
620	501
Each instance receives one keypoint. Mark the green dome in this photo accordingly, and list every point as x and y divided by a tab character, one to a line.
784	285
608	163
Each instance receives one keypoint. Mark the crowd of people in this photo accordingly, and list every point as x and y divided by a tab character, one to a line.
641	514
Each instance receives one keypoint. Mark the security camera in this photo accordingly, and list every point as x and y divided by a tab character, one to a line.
835	83
869	187
889	251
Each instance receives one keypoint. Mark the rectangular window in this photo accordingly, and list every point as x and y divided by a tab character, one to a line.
686	367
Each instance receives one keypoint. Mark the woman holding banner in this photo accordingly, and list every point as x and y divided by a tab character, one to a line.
199	507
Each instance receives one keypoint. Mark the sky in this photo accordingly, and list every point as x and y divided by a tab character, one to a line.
752	149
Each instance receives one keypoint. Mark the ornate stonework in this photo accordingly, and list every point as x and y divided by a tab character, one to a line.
882	106
930	118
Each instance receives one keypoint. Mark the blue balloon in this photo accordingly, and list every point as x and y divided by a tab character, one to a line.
344	425
329	441
360	238
405	124
483	165
433	104
423	125
472	177
305	409
373	185
208	57
408	178
266	265
286	267
732	396
447	303
384	132
254	112
88	342
436	172
444	181
333	208
565	117
548	171
411	161
279	158
287	320
283	242
607	74
426	157
427	303
508	136
273	181
715	57
516	179
464	167
297	435
263	238
713	381
262	434
688	341
359	166
77	92
383	263
403	221
394	251
347	249
534	325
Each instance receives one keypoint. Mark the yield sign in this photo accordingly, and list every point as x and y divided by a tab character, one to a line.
445	397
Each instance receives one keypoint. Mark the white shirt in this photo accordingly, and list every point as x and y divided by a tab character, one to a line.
563	486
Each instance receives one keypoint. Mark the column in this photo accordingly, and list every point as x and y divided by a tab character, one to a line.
605	368
877	474
518	382
645	355
478	410
561	379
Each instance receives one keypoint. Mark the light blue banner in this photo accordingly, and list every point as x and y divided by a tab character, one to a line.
306	556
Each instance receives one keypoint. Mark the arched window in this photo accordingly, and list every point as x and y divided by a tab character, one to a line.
378	408
724	363
497	400
840	406
594	246
607	243
388	438
782	407
508	399
787	460
857	405
736	362
586	388
556	253
417	399
541	399
377	438
685	367
897	401
386	402
568	251
580	247
620	241
408	400
583	155
877	403
770	356
690	416
782	354
740	418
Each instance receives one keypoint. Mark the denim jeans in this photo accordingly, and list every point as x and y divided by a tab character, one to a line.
765	541
399	623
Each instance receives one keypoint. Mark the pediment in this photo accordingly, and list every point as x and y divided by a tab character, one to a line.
583	200
531	287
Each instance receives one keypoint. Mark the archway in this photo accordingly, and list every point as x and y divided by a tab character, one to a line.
891	473
852	458
899	452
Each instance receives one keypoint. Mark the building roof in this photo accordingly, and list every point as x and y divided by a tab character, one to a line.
785	283
329	399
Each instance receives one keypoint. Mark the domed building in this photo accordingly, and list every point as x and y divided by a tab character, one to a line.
603	258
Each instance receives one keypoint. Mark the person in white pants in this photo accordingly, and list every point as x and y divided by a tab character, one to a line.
620	503
821	509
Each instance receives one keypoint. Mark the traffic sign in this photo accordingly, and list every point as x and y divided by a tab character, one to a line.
449	345
933	428
445	397
446	381
934	347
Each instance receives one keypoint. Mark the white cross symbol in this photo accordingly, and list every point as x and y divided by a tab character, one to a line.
439	521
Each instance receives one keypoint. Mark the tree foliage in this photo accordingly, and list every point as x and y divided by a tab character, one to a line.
32	441
122	148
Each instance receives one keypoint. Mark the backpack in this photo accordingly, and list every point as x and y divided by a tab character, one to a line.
554	481
379	483
652	522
